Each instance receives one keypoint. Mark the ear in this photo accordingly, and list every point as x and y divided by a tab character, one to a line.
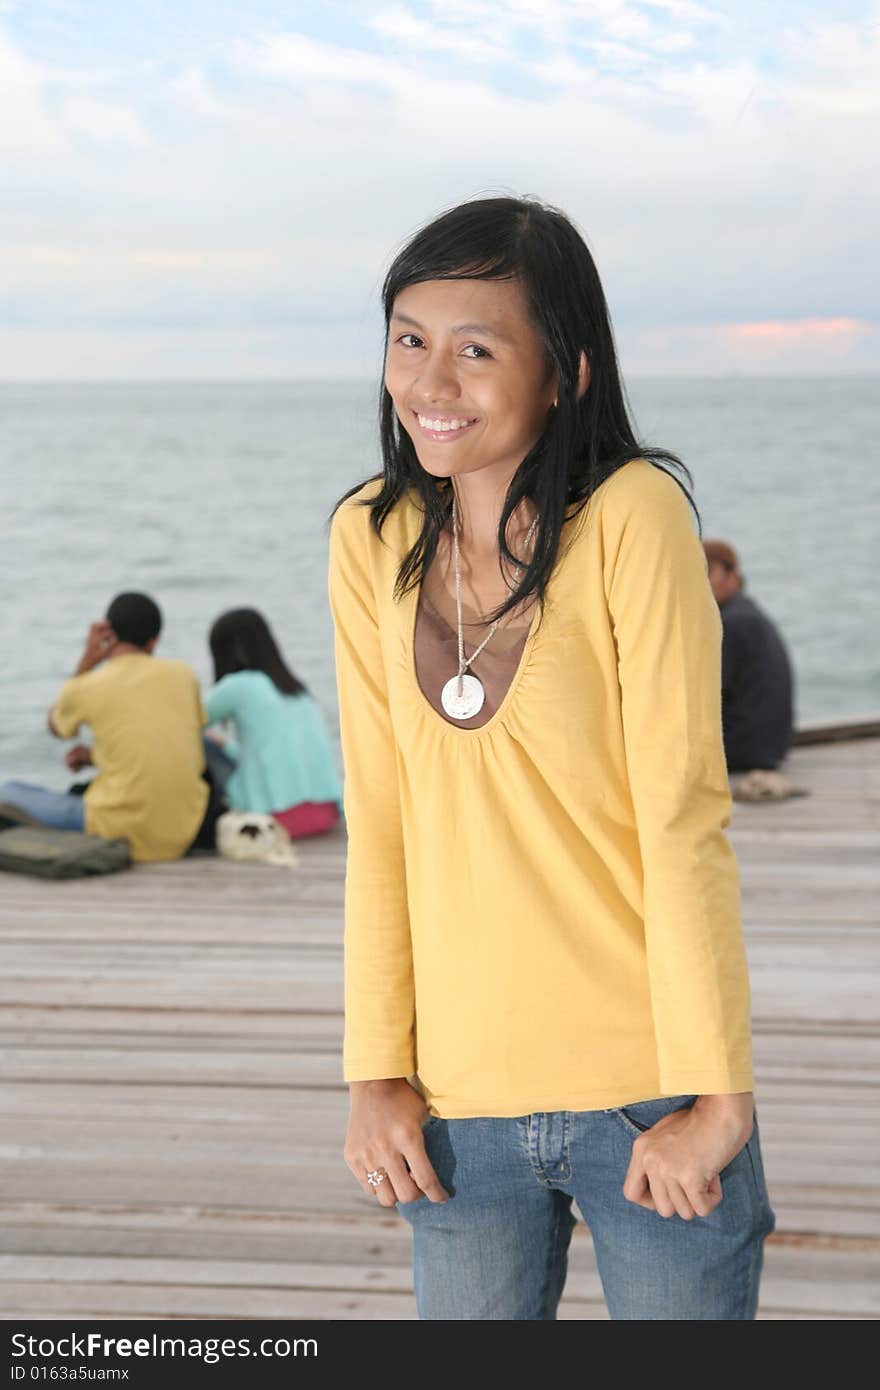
583	376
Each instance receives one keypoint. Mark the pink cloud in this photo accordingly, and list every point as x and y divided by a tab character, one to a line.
840	344
786	335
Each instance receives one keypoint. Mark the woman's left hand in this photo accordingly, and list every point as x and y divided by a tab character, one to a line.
78	757
675	1164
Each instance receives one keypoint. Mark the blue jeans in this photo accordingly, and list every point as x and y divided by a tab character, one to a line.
498	1248
220	765
66	810
59	810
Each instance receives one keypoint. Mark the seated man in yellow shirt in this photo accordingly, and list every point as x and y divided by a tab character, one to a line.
146	717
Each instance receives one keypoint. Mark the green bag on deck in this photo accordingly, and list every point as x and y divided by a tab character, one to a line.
45	853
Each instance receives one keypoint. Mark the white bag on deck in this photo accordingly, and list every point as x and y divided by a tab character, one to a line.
254	835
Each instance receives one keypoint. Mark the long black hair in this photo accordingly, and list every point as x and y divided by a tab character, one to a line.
241	640
585	439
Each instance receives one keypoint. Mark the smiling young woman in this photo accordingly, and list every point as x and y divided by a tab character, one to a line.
546	992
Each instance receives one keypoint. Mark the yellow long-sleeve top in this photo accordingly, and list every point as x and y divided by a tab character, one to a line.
543	913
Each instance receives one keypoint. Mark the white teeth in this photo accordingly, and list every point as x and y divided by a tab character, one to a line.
445	426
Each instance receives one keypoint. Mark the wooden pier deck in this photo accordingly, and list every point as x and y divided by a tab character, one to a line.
172	1115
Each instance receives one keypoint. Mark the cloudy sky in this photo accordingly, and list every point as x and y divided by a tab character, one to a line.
209	189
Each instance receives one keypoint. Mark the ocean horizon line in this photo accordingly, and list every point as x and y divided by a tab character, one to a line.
365	380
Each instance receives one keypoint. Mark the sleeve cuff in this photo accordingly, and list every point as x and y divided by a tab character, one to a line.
692	1083
381	1070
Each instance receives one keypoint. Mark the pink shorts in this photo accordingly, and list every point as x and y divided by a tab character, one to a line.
308	818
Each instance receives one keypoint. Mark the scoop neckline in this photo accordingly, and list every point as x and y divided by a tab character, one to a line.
456	731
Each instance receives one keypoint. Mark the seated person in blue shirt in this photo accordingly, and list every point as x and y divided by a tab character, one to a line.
280	759
756	673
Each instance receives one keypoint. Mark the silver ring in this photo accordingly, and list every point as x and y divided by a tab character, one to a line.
376	1176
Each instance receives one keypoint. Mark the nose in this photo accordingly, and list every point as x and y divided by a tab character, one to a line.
436	380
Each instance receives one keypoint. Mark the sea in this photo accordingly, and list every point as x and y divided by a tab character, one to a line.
211	496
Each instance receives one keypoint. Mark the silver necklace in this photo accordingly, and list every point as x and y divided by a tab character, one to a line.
463	695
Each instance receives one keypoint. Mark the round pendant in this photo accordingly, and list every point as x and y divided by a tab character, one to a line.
468	703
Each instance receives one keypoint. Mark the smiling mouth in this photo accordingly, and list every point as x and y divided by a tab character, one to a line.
443	427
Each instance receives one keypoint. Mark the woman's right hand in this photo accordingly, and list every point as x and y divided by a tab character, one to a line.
385	1131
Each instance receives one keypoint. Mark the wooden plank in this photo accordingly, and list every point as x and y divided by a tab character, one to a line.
213	1162
155	1302
838	1218
832	1284
207	1024
314	988
801	1049
117	1058
324	1108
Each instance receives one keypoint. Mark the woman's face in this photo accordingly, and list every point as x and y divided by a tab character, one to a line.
468	375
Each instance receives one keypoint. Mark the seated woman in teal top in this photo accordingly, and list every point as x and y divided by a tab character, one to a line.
284	760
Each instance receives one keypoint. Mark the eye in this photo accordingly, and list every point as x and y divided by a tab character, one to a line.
408	335
476	347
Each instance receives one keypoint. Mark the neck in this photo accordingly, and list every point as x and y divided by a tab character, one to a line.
479	504
126	649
